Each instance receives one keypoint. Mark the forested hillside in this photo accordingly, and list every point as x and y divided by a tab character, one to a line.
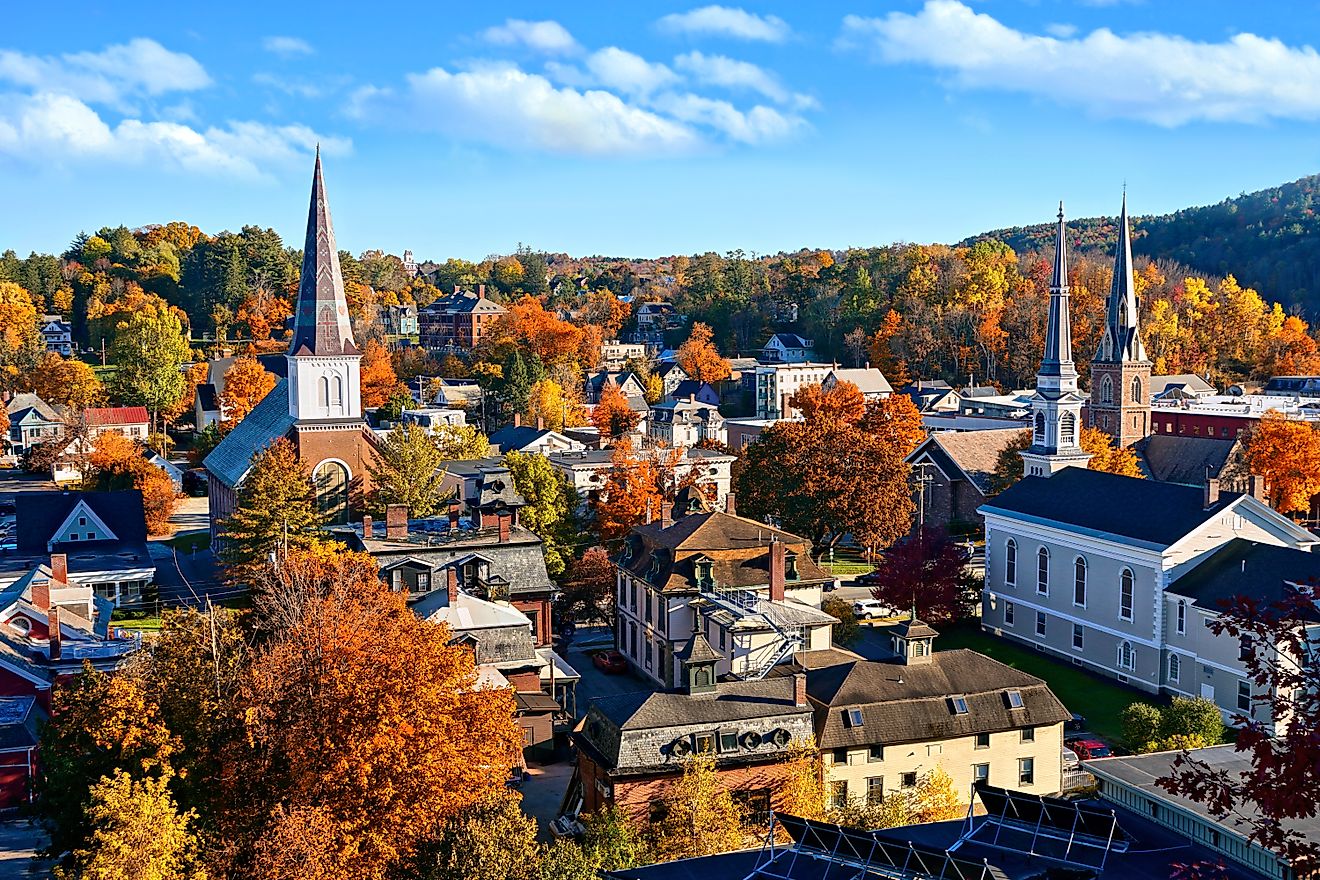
1267	240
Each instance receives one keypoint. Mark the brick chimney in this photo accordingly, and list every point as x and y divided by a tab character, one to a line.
1211	492
59	568
1256	487
41	594
366	527
666	514
540	423
505	522
396	522
730	504
451	584
776	570
799	689
517	420
455	508
53	619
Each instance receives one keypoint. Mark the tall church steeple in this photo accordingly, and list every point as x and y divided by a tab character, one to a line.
1056	407
1120	373
323	357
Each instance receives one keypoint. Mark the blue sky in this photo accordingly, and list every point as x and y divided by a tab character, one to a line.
644	128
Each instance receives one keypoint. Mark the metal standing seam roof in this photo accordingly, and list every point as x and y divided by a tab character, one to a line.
268	421
101	416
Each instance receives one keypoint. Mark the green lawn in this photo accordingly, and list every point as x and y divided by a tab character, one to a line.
1099	700
847	569
186	543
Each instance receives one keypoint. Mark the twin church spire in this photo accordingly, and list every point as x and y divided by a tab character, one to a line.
1119	402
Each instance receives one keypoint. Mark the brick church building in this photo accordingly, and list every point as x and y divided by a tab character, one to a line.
318	405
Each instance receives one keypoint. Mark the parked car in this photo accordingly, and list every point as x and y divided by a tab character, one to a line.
1087	746
610	662
1077	723
870	579
1071	761
872	608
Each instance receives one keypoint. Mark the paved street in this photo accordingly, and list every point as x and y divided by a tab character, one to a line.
542	792
19	840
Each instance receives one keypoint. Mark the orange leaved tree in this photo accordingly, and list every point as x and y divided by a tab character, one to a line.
699	357
636	490
362	715
1287	454
246	383
378	379
612	416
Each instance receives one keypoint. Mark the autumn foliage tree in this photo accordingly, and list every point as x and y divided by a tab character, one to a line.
377	378
117	462
246	383
699	357
554	406
926	571
1106	457
527	326
612	416
352	678
276	510
1278	790
701	819
138	833
65	381
408	470
830	474
1287	453
635	491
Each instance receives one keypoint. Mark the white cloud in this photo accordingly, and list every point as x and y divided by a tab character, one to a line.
549	37
287	47
505	106
754	126
730	73
59	128
1159	78
727	21
1061	30
631	74
116	74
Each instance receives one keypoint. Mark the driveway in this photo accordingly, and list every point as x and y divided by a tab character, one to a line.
542	792
595	683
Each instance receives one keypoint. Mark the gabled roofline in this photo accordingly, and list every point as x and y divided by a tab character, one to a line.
84	506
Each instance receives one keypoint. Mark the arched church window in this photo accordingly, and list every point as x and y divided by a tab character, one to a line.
323	391
1106	390
1136	390
337	395
1043	571
1040	427
331	481
1010	563
1067	429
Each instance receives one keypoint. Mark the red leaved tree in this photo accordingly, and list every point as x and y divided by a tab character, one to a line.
926	571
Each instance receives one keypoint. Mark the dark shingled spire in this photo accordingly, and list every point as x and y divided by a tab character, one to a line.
1058	332
320	325
1121	341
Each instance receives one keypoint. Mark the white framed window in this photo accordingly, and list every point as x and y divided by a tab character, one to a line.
1040	623
1125	594
1009	612
1127	657
1079	581
1182	617
1079	637
1043	571
1010	563
1175	667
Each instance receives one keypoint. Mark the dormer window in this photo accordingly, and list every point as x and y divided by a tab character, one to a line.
959	704
852	717
1015	699
790	566
704	575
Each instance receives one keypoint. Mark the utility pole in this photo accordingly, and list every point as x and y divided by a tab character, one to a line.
103	351
215	649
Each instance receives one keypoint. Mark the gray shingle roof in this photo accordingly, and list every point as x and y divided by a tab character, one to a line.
268	421
1245	568
1171	458
41	513
911	703
21	403
971	453
1144	510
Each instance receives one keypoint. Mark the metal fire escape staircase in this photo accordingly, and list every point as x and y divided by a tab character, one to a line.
745	603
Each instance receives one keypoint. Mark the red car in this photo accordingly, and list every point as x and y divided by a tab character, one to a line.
610	662
1089	748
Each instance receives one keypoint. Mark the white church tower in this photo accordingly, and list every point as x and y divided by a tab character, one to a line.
1056	407
324	362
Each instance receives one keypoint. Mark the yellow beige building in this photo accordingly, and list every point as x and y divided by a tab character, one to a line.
881	726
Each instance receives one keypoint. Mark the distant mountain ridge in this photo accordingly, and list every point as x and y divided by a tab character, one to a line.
1269	240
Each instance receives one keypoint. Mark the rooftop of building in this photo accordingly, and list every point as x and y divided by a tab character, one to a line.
1241	568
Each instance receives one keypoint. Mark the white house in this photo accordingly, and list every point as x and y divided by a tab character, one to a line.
687	422
57	334
787	348
777	383
870	381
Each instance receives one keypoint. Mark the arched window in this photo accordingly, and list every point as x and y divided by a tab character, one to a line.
1040	427
1106	390
323	391
331	482
1067	429
1010	563
1079	581
1043	571
1136	390
1125	594
1175	667
1182	617
1127	658
337	395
